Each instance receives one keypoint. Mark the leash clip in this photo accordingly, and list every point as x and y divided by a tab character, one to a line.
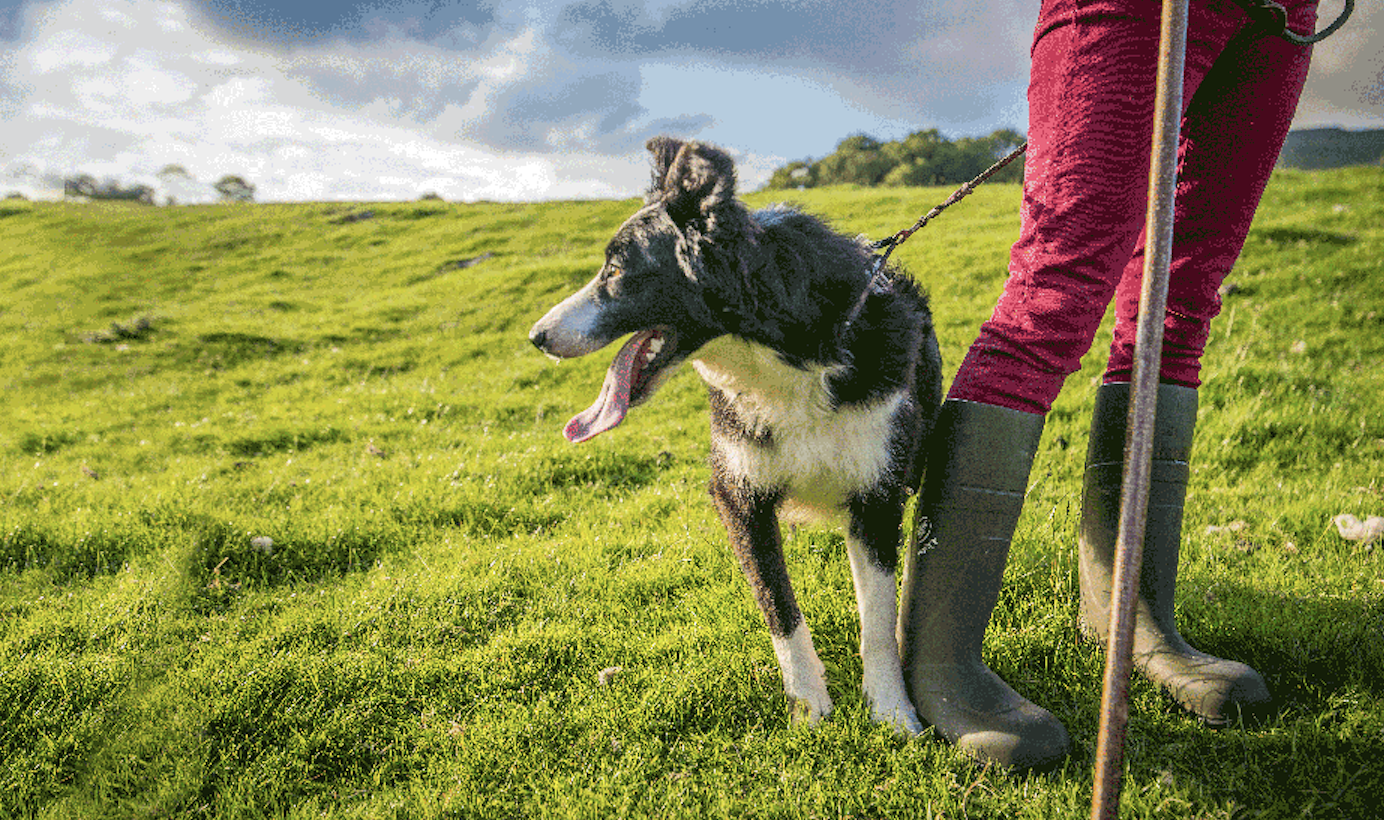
1272	19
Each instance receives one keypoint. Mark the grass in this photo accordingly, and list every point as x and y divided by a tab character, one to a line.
444	581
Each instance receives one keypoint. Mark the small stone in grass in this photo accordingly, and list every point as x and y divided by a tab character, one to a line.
1353	529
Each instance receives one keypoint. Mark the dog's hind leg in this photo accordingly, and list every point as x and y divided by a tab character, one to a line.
751	521
872	545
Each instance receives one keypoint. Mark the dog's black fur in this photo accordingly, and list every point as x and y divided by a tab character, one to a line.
804	410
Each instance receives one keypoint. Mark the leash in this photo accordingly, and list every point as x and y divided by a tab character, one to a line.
879	279
1272	20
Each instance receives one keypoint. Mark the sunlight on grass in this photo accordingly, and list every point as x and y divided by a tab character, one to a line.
289	529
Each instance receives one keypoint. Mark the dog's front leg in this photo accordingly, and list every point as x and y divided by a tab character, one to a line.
751	521
872	544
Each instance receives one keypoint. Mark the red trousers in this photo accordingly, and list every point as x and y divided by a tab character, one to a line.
1091	98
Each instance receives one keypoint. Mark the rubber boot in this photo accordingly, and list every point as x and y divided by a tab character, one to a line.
978	466
1215	690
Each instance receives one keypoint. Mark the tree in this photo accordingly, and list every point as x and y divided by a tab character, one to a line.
793	175
859	160
82	186
113	191
85	186
922	158
235	189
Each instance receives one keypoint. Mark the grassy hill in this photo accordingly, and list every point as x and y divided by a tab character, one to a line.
287	528
1313	149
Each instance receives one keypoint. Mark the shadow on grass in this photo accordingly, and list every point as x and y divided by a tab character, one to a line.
224	561
284	441
1307	237
1306	767
1309	650
602	470
46	443
68	556
1321	754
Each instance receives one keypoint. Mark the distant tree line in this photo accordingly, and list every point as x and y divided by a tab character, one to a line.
175	178
1315	148
921	158
85	186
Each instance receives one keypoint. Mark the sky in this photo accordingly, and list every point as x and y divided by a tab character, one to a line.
519	100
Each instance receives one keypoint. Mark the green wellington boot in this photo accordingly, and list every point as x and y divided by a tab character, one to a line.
1215	690
978	467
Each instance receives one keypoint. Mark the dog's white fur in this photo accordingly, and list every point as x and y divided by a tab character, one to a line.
821	456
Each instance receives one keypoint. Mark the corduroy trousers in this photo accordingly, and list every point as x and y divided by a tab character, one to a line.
1091	100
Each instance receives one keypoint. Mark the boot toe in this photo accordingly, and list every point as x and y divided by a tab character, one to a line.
1033	740
1218	692
978	713
1240	694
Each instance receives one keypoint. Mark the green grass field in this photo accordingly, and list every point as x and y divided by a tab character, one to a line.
445	578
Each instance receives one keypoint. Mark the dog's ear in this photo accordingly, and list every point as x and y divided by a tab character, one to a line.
664	150
692	179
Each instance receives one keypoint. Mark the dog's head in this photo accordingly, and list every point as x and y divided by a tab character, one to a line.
663	280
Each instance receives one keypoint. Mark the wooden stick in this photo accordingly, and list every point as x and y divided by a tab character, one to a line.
1153	299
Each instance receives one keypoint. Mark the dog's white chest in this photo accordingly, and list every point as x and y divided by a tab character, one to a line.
817	455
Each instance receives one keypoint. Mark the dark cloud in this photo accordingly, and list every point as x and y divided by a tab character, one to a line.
9	21
302	22
257	20
924	62
529	111
578	82
418	82
511	88
836	33
596	112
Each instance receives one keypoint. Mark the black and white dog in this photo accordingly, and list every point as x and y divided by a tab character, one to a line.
810	413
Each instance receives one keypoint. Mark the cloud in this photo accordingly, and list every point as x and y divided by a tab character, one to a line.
892	59
1346	85
512	93
125	89
514	75
519	99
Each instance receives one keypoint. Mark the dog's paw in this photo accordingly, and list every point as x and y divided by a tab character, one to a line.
900	716
804	676
808	711
888	697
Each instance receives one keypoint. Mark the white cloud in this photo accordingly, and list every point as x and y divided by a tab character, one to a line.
1346	84
125	91
69	49
516	100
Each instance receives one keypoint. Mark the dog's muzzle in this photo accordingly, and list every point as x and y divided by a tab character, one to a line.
569	329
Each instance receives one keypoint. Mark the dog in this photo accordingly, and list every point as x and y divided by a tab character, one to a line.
815	412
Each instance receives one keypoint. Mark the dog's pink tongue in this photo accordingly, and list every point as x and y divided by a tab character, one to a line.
614	401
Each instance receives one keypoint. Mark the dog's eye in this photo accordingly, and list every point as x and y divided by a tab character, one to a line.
614	271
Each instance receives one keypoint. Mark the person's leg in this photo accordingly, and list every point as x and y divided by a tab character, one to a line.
1078	225
977	472
1218	691
1234	129
1091	101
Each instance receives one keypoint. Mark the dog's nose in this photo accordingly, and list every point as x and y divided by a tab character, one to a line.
539	337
